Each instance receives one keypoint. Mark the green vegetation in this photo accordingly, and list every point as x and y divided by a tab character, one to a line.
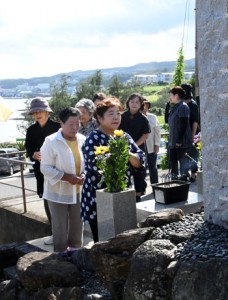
161	120
157	94
179	70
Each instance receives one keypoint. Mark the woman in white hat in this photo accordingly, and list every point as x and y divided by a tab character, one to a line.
35	136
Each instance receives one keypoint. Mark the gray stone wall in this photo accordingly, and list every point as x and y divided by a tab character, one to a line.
212	55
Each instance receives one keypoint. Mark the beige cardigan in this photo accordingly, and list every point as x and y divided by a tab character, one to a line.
154	137
57	159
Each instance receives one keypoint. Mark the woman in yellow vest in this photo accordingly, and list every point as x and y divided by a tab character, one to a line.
62	164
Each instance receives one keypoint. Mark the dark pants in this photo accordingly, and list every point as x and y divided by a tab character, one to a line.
178	155
139	176
193	164
152	166
47	210
94	230
39	179
40	188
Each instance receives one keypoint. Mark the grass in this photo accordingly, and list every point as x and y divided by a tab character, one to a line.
152	98
153	88
161	119
151	92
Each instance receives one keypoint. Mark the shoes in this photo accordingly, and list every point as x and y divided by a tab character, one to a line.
191	179
70	252
62	254
67	253
138	199
49	241
184	178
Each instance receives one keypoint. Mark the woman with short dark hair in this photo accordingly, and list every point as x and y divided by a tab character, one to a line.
137	125
180	137
62	164
108	116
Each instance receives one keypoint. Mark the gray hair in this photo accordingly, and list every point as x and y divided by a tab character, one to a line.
86	104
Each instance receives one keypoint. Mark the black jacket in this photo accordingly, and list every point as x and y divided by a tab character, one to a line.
35	137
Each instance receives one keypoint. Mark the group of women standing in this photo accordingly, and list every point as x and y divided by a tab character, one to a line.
67	159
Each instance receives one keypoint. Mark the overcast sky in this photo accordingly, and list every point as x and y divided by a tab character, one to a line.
47	37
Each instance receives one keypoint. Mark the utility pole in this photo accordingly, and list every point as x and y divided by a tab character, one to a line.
196	58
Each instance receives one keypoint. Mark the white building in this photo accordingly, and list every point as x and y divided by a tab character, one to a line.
162	77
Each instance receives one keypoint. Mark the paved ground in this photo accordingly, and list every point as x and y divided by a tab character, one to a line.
35	209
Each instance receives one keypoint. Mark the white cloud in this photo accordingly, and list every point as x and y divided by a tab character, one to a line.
49	37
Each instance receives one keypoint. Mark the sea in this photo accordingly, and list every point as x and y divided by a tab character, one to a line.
8	129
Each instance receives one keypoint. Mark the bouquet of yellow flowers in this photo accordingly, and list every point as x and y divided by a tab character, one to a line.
112	162
198	143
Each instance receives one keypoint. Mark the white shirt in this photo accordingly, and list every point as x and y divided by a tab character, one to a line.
57	159
154	136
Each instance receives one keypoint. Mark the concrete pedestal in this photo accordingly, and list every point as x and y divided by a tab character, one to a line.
199	182
116	212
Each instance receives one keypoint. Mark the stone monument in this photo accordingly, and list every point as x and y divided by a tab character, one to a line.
212	62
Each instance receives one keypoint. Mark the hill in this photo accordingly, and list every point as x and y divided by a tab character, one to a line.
124	73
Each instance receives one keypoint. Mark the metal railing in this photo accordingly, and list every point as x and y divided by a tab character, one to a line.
22	163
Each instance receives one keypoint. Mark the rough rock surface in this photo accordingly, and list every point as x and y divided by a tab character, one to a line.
184	260
163	217
55	293
39	270
201	280
8	290
212	49
111	259
82	259
147	278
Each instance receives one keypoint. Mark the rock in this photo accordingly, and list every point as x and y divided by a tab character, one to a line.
82	259
172	268
201	280
111	259
163	217
40	270
179	237
58	293
147	277
7	255
8	290
96	297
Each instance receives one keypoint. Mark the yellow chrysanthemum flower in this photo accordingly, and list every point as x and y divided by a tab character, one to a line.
199	146
101	150
97	152
104	149
118	132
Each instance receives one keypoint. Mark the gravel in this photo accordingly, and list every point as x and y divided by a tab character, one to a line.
94	288
207	240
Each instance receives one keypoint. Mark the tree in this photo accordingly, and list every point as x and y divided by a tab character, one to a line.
115	87
192	81
129	88
178	76
89	87
28	119
60	98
